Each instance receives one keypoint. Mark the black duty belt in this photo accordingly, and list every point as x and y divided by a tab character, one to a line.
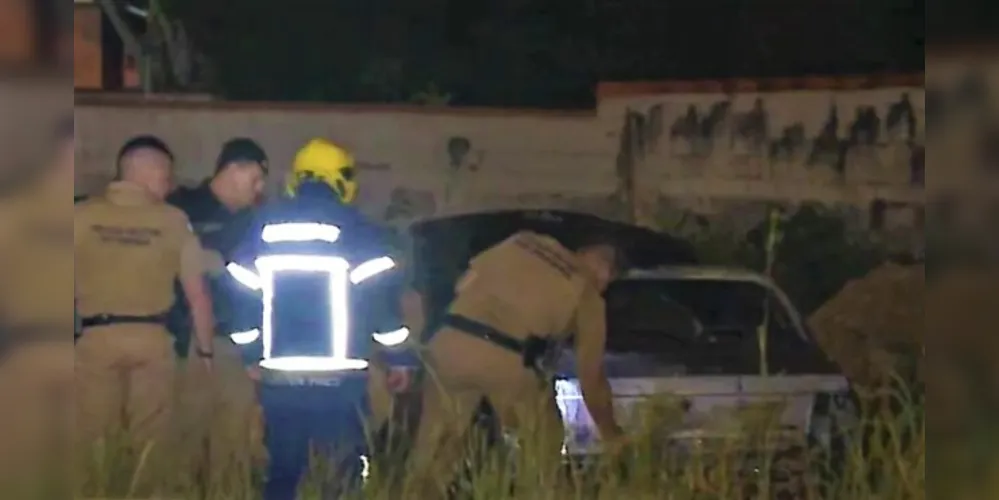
121	319
535	351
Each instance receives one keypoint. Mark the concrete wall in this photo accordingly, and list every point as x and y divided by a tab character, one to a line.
654	152
412	163
728	155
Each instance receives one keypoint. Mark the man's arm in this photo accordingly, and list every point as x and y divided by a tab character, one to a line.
413	313
246	308
591	338
196	292
396	321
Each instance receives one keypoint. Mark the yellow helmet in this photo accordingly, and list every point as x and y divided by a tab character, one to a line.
321	160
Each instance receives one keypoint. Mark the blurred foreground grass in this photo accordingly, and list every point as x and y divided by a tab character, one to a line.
884	458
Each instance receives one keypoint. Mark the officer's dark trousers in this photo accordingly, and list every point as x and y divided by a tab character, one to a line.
301	421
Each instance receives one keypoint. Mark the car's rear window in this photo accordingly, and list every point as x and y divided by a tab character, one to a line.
667	327
644	313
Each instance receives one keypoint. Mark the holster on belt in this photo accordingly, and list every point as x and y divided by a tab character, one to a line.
538	353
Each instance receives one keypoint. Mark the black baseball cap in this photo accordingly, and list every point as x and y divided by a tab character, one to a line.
241	149
145	142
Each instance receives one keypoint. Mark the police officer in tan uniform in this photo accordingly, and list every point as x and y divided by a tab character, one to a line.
130	247
36	322
517	301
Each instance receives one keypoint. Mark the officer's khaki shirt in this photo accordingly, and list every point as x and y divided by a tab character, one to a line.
129	250
531	285
36	260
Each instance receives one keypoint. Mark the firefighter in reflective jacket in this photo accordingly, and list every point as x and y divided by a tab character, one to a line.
328	291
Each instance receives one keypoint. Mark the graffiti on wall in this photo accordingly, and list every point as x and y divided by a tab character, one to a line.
459	149
751	131
637	138
697	133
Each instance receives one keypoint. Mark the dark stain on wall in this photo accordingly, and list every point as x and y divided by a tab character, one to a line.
699	130
459	149
753	134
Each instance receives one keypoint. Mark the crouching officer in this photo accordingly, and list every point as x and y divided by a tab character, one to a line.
515	304
36	350
326	289
130	246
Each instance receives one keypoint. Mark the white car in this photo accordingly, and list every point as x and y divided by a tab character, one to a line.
686	337
676	330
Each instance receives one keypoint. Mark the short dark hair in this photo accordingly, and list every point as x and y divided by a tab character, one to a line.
241	149
144	142
140	142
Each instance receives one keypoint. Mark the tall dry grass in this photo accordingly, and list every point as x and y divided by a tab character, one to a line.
882	458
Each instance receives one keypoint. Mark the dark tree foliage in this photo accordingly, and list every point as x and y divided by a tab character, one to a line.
539	53
817	254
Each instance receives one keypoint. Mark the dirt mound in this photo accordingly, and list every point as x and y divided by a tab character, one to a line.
874	326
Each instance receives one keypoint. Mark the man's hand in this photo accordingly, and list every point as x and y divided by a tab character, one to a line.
254	373
214	263
397	380
207	358
615	443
